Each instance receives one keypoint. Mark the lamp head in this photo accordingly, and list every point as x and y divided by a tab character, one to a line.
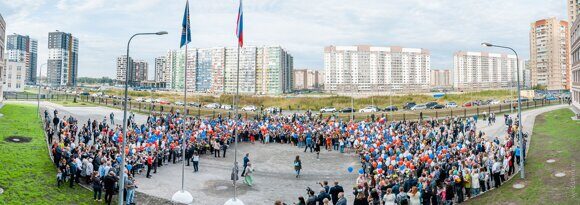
161	33
486	44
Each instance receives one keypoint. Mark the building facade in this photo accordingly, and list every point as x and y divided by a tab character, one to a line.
2	62
20	48
575	70
262	70
15	76
122	69
140	68
573	9
62	63
307	79
441	78
481	70
354	69
159	68
550	54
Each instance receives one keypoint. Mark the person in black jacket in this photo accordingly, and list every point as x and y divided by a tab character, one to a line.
322	195
109	182
97	186
334	192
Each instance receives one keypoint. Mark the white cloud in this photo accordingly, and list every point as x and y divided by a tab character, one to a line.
303	27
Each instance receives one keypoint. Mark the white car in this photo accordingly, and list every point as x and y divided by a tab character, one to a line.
328	109
226	107
139	99
419	107
451	105
249	108
369	109
494	102
179	103
212	106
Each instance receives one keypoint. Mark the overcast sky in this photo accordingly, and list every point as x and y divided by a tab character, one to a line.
303	27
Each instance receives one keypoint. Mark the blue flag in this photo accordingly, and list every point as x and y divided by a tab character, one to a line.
185	31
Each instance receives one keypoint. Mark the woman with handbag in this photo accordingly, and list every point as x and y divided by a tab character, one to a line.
248	179
297	166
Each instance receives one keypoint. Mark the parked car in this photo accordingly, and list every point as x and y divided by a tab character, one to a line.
369	109
430	104
194	104
390	108
494	102
468	104
327	109
249	108
273	110
438	106
212	106
226	107
139	99
179	103
409	105
347	110
164	102
419	107
451	105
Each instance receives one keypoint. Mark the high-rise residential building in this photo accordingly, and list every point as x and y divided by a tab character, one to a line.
441	77
15	76
550	54
122	69
63	52
2	43
527	75
481	70
262	70
575	71
307	79
366	68
160	69
22	48
140	68
573	10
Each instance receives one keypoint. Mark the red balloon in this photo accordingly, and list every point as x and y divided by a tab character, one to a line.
400	163
391	167
375	164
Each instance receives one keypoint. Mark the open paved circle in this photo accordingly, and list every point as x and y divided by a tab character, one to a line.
551	161
519	186
219	188
560	174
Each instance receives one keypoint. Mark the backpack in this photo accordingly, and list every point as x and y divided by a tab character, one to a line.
403	199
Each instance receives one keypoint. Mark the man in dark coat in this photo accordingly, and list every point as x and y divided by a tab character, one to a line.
109	182
334	192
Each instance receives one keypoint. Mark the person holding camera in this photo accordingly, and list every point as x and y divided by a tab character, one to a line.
311	197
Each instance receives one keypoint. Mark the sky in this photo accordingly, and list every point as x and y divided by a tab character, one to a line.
302	27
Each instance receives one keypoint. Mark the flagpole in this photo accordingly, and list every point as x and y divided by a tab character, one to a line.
235	124
183	196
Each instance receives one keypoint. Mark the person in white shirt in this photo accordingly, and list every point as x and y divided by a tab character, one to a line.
195	161
475	182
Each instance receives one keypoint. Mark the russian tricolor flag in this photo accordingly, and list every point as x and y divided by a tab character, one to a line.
240	27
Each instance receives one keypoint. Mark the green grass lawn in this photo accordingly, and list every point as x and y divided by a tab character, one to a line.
555	136
27	174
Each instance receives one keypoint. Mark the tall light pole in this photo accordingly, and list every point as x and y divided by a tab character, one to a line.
124	134
522	145
39	85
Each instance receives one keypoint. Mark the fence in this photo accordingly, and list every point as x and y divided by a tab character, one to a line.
144	107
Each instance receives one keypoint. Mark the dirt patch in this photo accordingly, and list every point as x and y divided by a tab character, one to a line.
18	139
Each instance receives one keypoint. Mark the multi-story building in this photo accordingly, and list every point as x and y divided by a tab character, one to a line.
122	70
575	72
63	52
2	43
372	69
481	70
307	79
22	48
140	68
573	10
441	78
160	69
550	54
15	76
527	75
262	70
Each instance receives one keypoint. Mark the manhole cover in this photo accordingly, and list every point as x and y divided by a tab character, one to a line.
219	188
551	161
560	174
519	186
18	139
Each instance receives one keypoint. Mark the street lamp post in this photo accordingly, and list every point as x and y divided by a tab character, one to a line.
522	145
39	85
124	134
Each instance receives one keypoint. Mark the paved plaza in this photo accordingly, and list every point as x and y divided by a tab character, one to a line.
274	175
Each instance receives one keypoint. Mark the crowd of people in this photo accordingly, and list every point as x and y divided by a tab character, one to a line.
440	161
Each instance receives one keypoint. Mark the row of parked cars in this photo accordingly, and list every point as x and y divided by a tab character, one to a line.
407	106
